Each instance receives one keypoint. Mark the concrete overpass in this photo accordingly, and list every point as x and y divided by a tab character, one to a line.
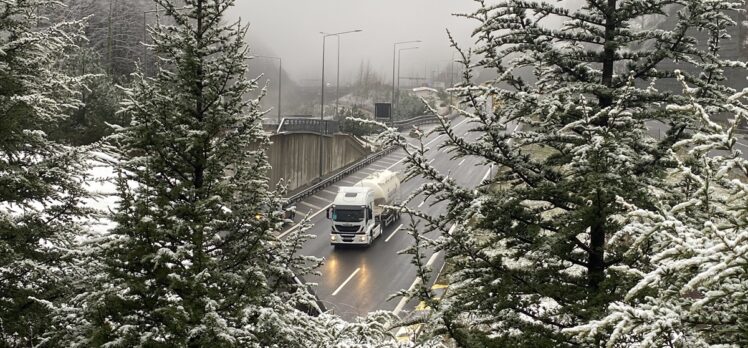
294	154
295	157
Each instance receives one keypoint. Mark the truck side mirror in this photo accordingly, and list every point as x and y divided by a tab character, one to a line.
327	213
368	213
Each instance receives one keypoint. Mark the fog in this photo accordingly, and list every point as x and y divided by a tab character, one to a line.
290	29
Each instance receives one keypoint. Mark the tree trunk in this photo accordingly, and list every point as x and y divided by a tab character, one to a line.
596	259
605	99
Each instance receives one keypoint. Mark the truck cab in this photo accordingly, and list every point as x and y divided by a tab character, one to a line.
359	214
352	215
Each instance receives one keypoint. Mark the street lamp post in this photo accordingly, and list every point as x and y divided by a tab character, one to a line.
280	82
451	78
337	82
392	102
398	70
322	106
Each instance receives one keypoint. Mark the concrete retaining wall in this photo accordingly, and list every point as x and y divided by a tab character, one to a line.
295	157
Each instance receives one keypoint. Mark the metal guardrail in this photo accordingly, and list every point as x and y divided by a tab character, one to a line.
415	121
306	125
329	127
339	175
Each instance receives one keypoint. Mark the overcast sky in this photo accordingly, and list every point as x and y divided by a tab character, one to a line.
290	29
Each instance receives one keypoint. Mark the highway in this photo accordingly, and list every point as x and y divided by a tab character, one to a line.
359	280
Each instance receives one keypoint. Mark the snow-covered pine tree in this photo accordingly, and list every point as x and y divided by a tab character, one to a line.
577	89
40	180
193	259
114	30
694	292
100	98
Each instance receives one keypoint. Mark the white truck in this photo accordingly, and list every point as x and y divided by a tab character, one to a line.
357	214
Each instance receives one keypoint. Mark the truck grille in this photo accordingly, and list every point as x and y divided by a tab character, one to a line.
349	229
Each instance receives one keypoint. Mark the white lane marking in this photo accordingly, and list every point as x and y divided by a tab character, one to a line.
420	205
433	258
378	166
432	160
490	169
348	182
359	175
330	192
515	127
396	163
418	280
346	281
741	144
310	205
402	159
405	299
427	144
299	224
393	233
461	162
461	122
433	140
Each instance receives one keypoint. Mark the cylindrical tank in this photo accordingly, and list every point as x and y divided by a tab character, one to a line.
386	187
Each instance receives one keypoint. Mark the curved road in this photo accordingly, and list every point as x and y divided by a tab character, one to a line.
359	280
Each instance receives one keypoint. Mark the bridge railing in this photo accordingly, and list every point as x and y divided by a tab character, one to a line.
329	127
415	121
307	125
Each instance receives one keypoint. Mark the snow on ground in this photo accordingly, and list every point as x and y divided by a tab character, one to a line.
103	190
101	186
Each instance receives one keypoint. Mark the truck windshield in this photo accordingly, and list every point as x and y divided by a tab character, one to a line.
348	215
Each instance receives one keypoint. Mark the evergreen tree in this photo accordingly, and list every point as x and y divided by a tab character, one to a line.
532	246
410	106
348	124
115	32
99	102
40	180
193	259
693	292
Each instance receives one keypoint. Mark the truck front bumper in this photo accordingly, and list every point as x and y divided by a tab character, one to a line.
349	239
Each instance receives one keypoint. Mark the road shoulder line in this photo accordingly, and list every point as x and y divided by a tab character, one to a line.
393	233
346	281
309	205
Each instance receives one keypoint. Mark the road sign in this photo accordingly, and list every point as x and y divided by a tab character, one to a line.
382	110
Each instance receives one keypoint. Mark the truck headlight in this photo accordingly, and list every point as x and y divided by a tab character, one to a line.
333	237
362	238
